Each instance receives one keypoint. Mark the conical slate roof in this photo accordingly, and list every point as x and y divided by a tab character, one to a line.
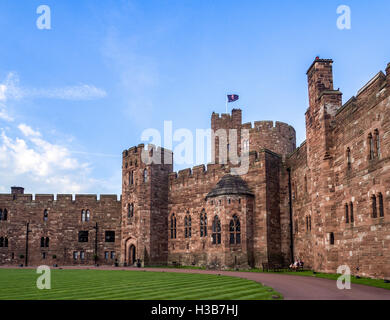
230	185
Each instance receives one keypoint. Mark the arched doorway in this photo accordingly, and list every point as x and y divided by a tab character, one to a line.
131	255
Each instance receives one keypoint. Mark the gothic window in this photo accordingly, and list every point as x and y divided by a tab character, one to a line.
203	224
83	236
106	255
305	185
349	161
5	215
88	215
145	175
371	146
130	210
131	178
82	215
45	242
112	254
187	226
45	215
373	204
43	255
377	144
1	242
381	208
173	226
346	214
235	230
351	212
110	236
216	230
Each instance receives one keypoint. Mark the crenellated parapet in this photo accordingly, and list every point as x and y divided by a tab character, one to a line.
59	198
134	155
278	137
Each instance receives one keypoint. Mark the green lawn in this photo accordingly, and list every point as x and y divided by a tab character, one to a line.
20	284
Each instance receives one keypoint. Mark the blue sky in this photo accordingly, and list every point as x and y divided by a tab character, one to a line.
74	97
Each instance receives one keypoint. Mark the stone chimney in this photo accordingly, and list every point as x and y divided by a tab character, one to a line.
17	190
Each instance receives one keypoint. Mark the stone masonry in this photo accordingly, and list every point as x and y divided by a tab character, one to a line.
325	202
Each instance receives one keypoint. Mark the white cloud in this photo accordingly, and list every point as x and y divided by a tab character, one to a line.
27	131
10	89
29	159
40	163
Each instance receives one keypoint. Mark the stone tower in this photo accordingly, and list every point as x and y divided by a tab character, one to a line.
324	103
145	205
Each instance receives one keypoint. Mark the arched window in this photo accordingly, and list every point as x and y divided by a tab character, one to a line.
173	226
130	210
5	215
1	242
42	242
349	160
351	212
373	203
381	208
203	224
371	146
88	215
187	226
82	215
216	230
47	242
145	175
346	214
331	238
305	185
235	230
131	178
45	215
377	144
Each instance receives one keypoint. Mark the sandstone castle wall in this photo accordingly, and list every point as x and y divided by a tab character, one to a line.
326	202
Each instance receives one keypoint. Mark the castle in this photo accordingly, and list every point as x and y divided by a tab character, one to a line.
326	202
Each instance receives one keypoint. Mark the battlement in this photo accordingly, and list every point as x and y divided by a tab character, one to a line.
370	93
269	125
134	154
78	198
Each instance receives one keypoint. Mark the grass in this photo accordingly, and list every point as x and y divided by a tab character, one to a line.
20	284
364	281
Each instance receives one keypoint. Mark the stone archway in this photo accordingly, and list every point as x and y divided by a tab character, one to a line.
130	252
131	255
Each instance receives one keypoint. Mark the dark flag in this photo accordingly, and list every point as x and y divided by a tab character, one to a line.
232	97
